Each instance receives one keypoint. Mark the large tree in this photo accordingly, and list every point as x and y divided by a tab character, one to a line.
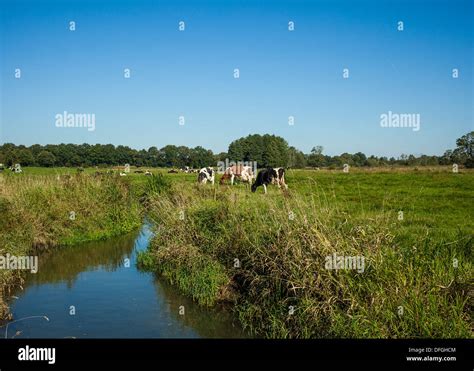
316	157
46	159
463	153
266	150
296	158
465	149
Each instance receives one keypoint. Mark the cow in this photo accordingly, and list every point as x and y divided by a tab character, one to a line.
205	174
16	168
245	173
270	176
280	179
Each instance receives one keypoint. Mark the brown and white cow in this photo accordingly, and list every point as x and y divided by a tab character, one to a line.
244	173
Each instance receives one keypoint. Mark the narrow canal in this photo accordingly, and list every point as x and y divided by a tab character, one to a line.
95	290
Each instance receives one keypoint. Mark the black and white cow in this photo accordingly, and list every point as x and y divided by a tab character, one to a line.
270	176
280	179
206	174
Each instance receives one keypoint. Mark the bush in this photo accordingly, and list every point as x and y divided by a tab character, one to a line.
157	184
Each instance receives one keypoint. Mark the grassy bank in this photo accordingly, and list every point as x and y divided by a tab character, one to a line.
267	253
41	211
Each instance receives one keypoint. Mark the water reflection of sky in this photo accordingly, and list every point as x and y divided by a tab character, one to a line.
110	299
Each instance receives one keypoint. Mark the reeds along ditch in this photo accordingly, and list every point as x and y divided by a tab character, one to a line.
38	212
266	256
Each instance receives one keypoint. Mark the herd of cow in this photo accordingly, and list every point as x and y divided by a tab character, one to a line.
245	174
207	174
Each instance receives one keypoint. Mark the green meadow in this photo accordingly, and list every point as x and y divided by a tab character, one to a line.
265	256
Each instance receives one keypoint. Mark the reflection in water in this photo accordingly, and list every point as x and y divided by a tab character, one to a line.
207	322
65	264
90	291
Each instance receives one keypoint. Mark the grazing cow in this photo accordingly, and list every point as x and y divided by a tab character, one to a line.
148	173
280	179
205	174
245	174
16	168
270	176
172	171
189	170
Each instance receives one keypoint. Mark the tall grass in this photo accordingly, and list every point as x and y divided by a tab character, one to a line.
266	254
36	213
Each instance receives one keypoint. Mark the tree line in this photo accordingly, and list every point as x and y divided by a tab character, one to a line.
266	150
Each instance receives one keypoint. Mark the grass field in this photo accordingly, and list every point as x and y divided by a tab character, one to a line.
418	276
266	254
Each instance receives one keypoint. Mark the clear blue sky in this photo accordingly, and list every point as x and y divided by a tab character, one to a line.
282	73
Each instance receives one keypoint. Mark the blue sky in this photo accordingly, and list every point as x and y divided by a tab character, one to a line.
282	73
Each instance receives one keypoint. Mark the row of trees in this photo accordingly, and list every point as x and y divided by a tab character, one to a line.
103	154
269	150
266	150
